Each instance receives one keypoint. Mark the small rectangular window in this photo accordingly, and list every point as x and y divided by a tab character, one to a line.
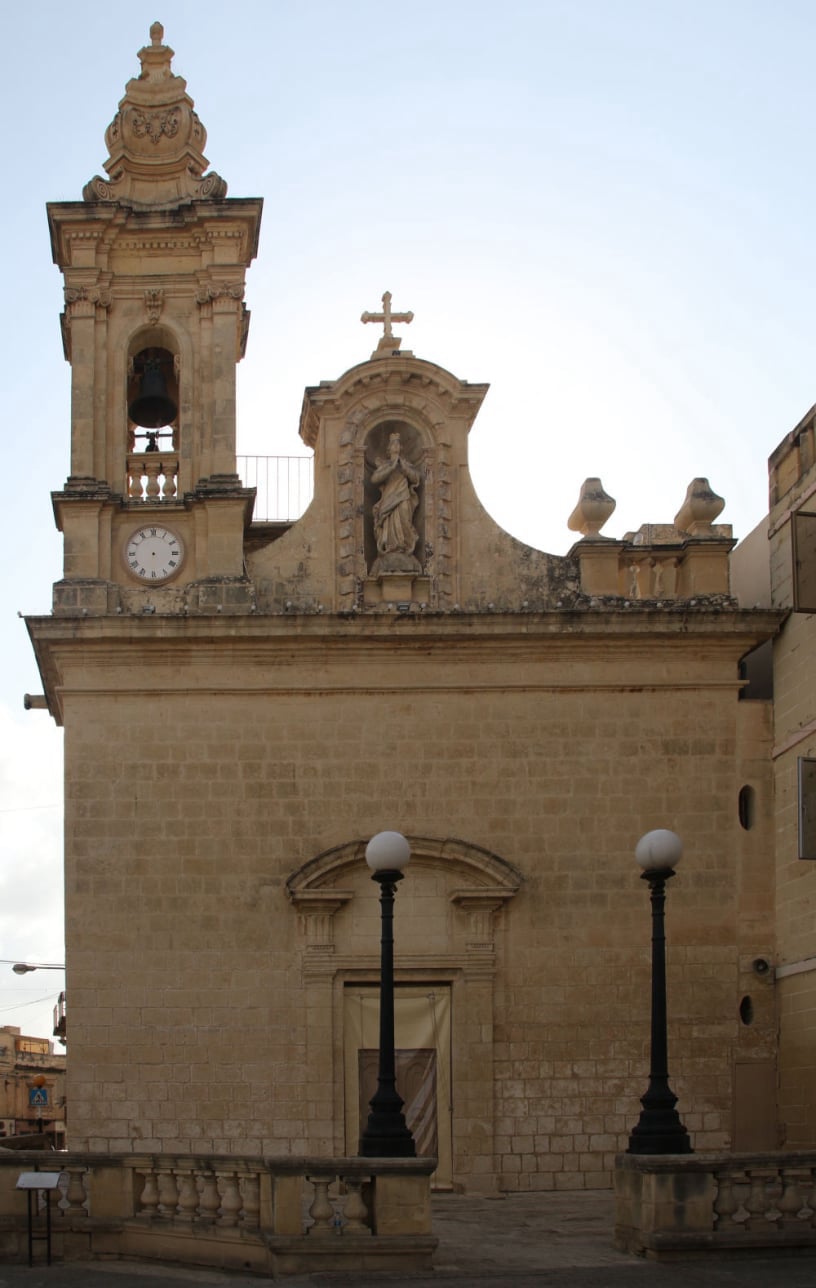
803	528
807	808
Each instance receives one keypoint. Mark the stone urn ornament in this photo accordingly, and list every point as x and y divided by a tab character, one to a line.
594	507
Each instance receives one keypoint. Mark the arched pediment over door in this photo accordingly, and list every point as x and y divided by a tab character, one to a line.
452	887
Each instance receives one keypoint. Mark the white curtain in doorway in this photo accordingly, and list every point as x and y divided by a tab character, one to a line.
422	1038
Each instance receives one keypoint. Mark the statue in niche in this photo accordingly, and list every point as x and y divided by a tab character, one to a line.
393	515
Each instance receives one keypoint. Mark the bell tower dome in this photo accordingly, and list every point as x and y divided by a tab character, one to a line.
154	260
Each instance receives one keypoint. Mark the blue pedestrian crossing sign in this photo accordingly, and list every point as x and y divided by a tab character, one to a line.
37	1097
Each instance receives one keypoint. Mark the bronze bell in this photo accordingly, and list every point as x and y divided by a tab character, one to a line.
153	407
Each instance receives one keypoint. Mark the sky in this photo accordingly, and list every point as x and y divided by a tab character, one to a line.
603	209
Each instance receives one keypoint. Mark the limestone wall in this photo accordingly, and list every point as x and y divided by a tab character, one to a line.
209	762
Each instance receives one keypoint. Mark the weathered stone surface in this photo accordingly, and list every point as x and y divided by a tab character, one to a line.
234	733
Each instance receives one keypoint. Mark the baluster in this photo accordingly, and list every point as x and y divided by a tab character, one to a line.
134	485
792	1202
354	1209
149	1197
809	1196
726	1202
251	1194
773	1193
151	469
209	1199
321	1211
757	1200
187	1193
168	1191
168	481
75	1194
230	1198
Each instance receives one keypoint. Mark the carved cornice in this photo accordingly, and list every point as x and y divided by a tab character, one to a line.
410	382
219	291
214	234
194	229
83	301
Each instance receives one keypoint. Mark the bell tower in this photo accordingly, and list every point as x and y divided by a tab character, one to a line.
154	260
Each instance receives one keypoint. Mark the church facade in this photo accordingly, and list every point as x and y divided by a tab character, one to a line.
246	704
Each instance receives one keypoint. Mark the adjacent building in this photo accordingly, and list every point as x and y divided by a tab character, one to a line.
32	1089
776	566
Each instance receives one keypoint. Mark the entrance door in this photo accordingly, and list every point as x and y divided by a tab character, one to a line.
423	1065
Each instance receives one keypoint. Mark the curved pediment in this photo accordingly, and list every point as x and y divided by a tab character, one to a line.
391	384
478	869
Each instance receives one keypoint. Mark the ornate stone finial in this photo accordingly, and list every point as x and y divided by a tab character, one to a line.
389	341
593	509
699	510
155	141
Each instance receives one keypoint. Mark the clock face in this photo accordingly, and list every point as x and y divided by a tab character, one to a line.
154	553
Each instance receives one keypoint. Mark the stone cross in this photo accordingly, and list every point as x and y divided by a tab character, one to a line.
386	317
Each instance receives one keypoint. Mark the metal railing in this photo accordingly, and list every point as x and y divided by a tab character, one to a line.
285	485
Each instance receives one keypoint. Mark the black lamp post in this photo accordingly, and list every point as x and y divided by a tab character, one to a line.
659	1129
386	1134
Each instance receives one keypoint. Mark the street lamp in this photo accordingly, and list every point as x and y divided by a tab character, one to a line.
23	968
659	1129
386	1134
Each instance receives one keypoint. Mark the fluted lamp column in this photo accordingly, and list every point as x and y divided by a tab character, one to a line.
659	1129
386	1134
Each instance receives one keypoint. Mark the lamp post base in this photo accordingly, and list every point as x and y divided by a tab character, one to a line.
659	1129
386	1135
387	1144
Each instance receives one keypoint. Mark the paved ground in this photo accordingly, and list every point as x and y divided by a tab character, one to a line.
523	1241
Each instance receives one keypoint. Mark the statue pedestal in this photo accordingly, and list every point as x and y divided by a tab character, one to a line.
397	588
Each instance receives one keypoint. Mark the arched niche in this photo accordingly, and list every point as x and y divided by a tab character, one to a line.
394	495
373	576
